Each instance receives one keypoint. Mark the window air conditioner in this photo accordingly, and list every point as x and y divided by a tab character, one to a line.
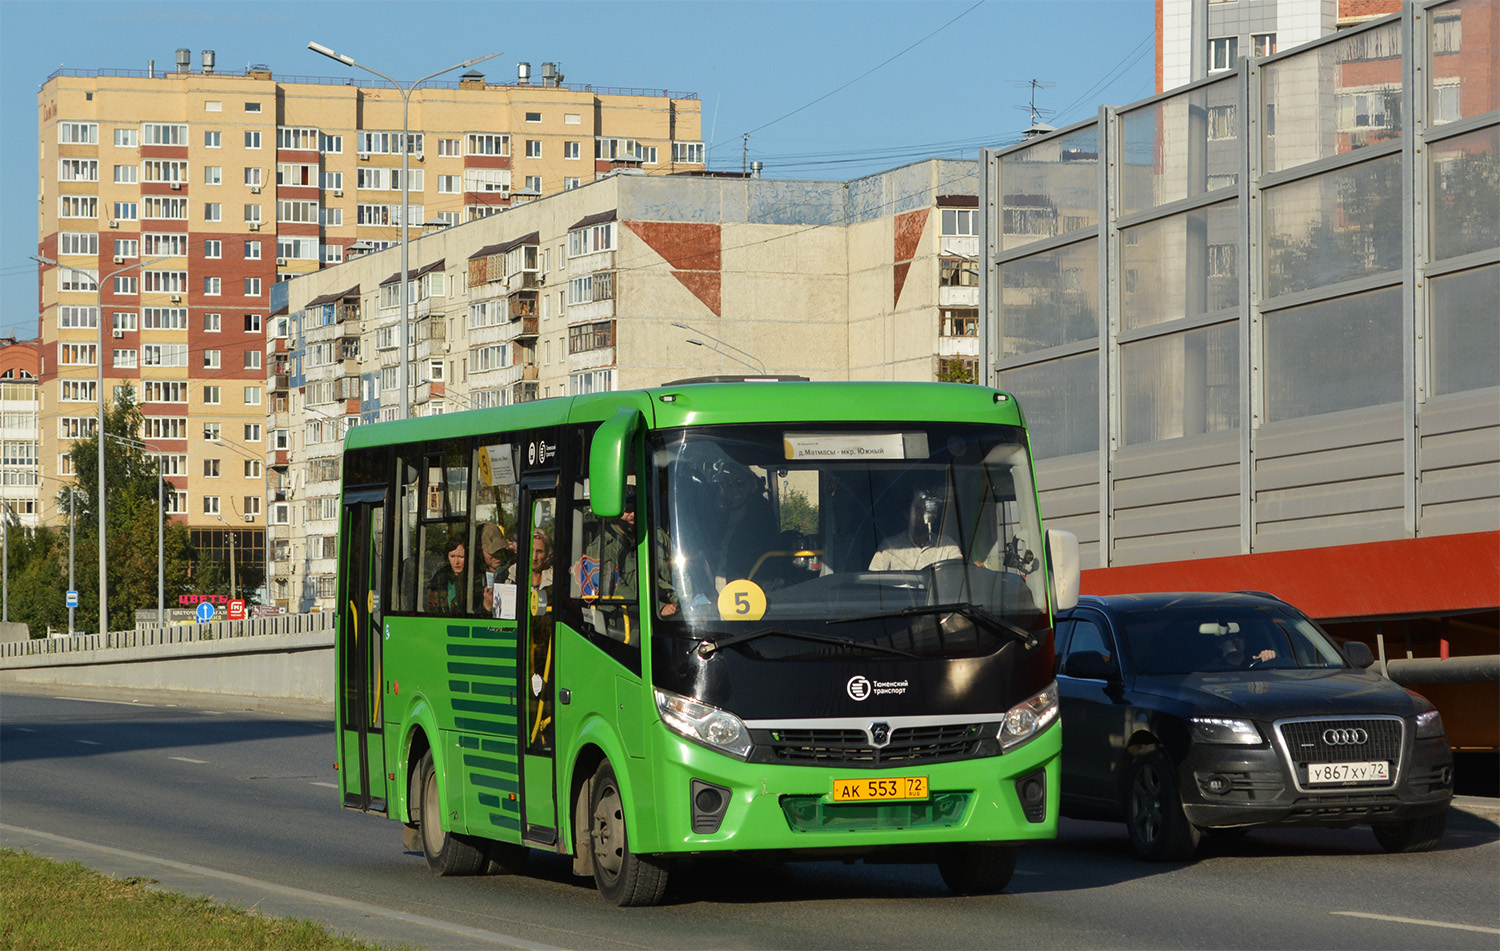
113	223
255	226
281	262
177	186
338	193
364	156
119	259
255	189
176	298
249	517
119	333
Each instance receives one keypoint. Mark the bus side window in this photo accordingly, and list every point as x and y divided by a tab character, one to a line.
407	547
602	578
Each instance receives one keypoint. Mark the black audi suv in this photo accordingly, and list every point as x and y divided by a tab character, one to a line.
1185	713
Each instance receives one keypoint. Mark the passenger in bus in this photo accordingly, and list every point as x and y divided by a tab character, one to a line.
499	552
922	542
446	588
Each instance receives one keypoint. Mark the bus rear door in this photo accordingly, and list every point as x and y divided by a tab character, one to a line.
361	737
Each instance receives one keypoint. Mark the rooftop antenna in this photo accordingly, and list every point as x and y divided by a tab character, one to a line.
1037	113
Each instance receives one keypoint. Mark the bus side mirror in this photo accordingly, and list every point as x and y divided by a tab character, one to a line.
607	461
1062	552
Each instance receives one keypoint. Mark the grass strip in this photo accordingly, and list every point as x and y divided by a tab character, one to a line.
70	907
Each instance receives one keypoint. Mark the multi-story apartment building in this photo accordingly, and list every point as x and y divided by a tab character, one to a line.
629	282
21	492
175	201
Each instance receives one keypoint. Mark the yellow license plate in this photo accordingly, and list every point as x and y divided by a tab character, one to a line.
873	790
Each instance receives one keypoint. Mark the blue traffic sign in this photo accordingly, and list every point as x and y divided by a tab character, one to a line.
205	612
72	599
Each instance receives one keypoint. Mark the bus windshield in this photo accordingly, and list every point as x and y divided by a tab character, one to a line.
798	541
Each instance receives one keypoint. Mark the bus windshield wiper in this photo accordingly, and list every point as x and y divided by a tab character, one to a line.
973	612
708	646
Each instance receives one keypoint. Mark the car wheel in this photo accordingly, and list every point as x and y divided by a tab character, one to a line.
448	853
977	868
1159	830
623	877
1413	835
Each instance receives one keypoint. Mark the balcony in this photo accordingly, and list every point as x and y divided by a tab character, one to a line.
528	328
524	391
280	381
524	281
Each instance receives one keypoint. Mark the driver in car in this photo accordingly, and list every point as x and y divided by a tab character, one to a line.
922	542
1236	657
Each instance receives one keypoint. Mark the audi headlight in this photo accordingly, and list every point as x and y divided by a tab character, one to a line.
1222	730
1028	718
704	724
1429	724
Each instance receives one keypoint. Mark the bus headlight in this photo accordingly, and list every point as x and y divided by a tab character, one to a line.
1029	718
704	724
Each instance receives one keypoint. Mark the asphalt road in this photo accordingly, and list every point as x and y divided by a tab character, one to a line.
240	805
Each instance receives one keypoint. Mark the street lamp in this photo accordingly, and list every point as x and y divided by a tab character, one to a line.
99	283
405	92
161	518
758	365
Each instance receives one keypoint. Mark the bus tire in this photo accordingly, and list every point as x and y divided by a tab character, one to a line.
448	853
975	868
622	877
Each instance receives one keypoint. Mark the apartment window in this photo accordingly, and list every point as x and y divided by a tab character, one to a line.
166	282
213	174
212	431
77	279
252	139
212	286
78	133
571	183
78	318
127	247
448	148
1222	52
252	287
77	391
333	253
252	323
485	143
126	358
213	211
571	150
534	183
959	273
211	468
210	359
252	502
213	105
213	139
448	184
252	213
252	359
687	153
487	180
210	505
166	209
958	222
331	217
211	396
299	211
331	144
164	355
126	211
166	318
600	237
126	174
78	170
77	354
165	170
252	395
1262	44
166	244
959	322
252	250
78	206
78	242
533	148
127	138
125	285
252	433
252	177
212	323
164	133
213	249
252	107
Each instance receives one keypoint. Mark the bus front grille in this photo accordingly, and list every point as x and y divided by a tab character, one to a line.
853	748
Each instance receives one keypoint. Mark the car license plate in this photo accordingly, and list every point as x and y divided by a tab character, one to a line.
887	788
1365	772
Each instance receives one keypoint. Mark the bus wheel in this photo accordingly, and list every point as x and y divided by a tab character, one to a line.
448	853
977	869
623	877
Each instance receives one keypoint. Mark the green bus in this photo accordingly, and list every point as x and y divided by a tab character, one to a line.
787	619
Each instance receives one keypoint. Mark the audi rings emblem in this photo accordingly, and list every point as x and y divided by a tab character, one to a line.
1346	736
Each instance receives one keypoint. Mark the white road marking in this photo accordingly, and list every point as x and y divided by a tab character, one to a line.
123	703
24	729
89	742
347	904
327	785
1417	921
184	759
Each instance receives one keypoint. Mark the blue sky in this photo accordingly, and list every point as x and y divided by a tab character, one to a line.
826	90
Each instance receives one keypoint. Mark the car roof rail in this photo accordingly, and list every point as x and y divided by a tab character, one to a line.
1261	594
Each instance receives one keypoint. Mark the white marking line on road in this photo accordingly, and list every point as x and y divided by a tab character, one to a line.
349	904
185	759
123	703
1417	921
24	729
327	785
89	742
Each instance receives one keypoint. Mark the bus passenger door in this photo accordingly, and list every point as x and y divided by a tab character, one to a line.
538	667
361	737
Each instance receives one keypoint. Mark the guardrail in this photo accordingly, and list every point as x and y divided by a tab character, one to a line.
172	634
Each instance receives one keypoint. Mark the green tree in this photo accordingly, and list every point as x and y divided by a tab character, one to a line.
954	370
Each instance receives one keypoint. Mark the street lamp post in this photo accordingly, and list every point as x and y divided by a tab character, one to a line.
161	518
103	531
759	364
405	91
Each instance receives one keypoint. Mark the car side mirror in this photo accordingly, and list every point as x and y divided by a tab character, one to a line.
1358	653
1089	665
